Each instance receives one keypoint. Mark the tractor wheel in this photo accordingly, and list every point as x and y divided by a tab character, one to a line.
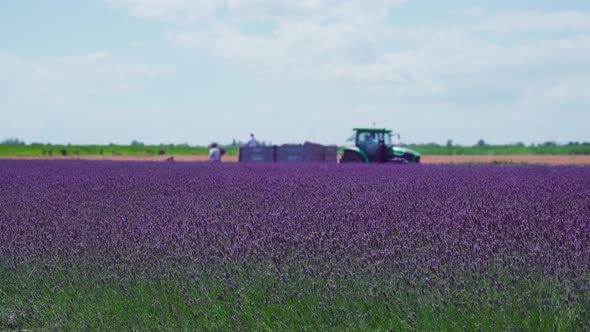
351	157
409	158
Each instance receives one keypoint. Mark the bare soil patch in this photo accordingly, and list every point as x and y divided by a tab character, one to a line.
525	159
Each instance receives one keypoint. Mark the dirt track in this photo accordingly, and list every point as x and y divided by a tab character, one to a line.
528	159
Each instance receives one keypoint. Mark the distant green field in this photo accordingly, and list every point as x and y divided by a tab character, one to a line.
154	150
503	150
107	150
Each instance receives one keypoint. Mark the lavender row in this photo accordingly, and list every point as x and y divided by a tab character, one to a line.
420	221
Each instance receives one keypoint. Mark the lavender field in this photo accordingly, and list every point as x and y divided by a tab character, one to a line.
88	245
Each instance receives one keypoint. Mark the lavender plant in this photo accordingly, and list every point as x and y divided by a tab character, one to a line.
143	245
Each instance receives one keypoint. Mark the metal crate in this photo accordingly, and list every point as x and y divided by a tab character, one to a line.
330	154
260	154
300	153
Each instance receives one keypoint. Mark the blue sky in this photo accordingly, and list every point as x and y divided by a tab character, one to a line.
175	71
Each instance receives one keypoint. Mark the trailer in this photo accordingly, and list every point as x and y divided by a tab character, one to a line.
287	153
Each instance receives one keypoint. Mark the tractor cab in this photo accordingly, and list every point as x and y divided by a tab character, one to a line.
374	145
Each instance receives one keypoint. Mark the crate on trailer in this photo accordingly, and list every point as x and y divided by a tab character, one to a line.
264	154
314	152
331	154
308	152
290	153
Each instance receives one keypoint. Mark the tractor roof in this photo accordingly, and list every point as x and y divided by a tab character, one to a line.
373	129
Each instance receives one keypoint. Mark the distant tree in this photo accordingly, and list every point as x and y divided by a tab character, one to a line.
63	152
481	143
449	143
549	143
136	143
12	141
519	144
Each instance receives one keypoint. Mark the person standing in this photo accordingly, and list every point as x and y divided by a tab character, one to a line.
214	153
252	142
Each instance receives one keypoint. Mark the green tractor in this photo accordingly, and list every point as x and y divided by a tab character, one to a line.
373	145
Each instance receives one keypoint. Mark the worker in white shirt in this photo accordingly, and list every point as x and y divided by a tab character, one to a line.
214	153
252	142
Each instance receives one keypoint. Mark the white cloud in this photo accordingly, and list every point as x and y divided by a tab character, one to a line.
473	11
189	39
169	10
69	79
355	41
297	46
311	10
190	10
537	21
563	94
306	37
320	38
